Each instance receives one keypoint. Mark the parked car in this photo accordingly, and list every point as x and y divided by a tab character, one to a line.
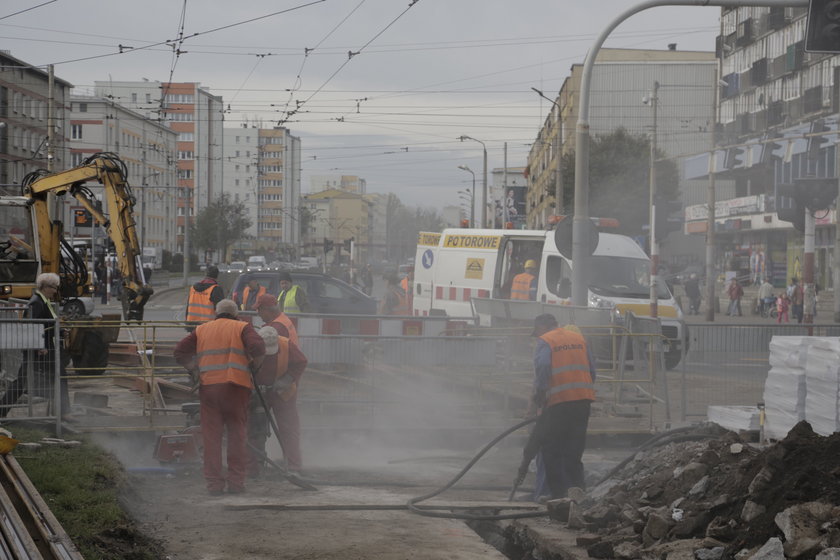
326	294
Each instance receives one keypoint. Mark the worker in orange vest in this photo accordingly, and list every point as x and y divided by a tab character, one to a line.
269	311
220	353
563	392
279	380
524	284
204	296
395	301
407	285
250	294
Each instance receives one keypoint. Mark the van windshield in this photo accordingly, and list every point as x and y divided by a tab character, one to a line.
623	277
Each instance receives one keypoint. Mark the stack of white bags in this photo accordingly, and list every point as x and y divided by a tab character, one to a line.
803	384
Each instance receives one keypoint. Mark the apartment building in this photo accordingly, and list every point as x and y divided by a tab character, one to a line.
621	96
24	104
349	183
148	150
197	117
262	170
777	123
339	216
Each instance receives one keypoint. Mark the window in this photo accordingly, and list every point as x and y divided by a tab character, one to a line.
185	173
185	154
148	98
179	117
237	139
237	153
76	131
75	159
83	107
134	98
559	277
236	182
186	136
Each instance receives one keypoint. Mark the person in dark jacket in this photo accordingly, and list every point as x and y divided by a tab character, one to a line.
204	296
44	359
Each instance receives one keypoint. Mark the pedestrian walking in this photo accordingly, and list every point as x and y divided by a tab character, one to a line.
782	306
692	292
735	292
220	354
765	297
797	300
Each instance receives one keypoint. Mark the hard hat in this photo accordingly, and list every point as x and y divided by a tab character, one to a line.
530	263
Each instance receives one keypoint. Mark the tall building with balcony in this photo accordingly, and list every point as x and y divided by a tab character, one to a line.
24	102
777	123
196	116
620	97
148	150
262	170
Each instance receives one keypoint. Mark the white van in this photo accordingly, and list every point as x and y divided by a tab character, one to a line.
257	263
481	263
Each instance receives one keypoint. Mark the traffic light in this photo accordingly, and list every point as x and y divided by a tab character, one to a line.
823	30
816	194
734	157
788	207
770	148
815	140
668	217
328	245
348	244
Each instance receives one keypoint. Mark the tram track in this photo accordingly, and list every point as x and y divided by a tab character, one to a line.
28	529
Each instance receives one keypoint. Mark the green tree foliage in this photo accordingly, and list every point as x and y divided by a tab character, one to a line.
219	225
404	223
619	179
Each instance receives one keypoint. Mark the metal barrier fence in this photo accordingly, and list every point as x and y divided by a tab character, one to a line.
30	368
727	365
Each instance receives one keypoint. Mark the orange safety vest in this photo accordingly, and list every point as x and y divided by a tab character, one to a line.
570	377
286	322
199	307
221	354
521	287
283	367
246	291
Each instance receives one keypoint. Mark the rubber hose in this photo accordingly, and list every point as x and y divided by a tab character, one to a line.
412	503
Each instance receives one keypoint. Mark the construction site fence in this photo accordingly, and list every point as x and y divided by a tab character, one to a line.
727	365
29	367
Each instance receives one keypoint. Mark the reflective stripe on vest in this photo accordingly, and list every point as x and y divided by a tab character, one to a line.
288	300
570	377
221	354
521	286
246	291
199	306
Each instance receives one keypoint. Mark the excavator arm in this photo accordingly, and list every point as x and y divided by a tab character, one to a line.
108	170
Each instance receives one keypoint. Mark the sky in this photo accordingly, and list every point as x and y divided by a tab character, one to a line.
381	89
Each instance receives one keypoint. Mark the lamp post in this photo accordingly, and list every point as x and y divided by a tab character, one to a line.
654	241
472	194
484	181
558	147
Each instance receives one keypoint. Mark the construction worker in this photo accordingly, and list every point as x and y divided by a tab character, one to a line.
250	294
269	311
204	297
563	391
395	300
407	283
292	298
524	284
220	353
278	379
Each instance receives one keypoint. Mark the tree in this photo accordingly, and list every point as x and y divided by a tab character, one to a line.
404	223
619	179
222	223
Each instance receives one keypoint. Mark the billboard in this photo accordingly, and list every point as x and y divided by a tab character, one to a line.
511	208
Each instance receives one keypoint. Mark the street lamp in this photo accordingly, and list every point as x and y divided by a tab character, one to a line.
558	177
472	194
484	183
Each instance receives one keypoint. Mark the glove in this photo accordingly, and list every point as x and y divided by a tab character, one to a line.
283	383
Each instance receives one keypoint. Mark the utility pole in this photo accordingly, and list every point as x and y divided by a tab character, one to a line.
654	242
836	275
50	118
187	235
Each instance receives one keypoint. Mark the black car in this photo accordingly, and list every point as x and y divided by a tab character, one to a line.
326	294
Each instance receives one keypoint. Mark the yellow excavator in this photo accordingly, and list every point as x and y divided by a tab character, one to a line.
32	239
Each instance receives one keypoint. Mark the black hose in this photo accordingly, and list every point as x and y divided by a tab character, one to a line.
414	508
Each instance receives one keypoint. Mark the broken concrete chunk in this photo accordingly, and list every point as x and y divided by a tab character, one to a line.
602	549
829	554
29	446
761	480
736	448
558	509
800	526
656	527
575	520
751	510
700	486
715	553
771	550
629	551
722	528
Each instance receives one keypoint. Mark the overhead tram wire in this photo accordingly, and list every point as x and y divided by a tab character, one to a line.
27	9
350	56
124	49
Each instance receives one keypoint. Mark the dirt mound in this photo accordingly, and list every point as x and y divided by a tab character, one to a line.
710	484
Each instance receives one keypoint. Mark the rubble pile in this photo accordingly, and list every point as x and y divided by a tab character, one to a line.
708	494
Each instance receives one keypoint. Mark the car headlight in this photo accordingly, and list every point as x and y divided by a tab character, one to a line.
596	301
